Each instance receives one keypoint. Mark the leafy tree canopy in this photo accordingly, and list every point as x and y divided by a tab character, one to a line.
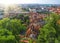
50	33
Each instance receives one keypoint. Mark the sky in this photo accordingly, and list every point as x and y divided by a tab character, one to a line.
29	1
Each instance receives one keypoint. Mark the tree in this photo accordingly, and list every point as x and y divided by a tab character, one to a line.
14	26
6	36
49	33
23	18
26	19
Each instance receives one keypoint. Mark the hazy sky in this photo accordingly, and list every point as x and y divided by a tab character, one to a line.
30	1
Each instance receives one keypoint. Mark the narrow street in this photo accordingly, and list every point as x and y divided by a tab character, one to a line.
34	26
